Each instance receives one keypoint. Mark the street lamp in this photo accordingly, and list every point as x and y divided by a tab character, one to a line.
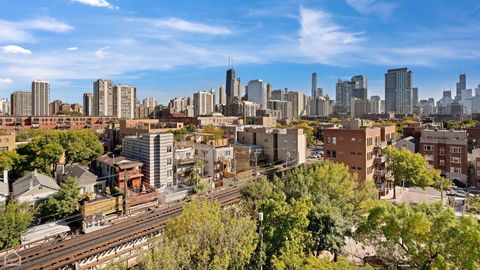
260	232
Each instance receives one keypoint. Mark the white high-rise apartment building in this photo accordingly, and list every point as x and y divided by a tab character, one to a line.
4	106
40	98
103	98
398	91
298	103
155	150
88	104
124	97
21	103
375	104
150	102
222	96
203	103
257	92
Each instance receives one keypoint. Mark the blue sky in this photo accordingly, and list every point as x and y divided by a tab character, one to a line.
174	48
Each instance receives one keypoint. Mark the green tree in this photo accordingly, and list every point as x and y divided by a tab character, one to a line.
47	158
410	168
205	236
81	145
8	160
215	131
65	202
15	218
427	236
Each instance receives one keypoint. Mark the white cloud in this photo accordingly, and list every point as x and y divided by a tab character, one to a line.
15	49
181	25
323	39
6	80
96	3
72	49
102	52
368	7
21	30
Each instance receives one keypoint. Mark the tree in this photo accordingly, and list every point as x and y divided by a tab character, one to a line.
8	159
48	157
65	202
205	236
15	218
215	131
411	168
81	145
427	236
336	203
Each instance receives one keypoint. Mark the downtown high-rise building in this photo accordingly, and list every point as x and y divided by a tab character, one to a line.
345	91
461	85
375	104
124	98
88	104
21	103
150	102
222	96
314	85
40	98
55	107
103	97
5	107
230	87
257	92
298	104
398	91
415	96
203	103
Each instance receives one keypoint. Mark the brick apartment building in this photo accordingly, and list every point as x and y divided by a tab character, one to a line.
446	150
356	145
17	123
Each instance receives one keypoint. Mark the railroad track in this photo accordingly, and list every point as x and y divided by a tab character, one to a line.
64	253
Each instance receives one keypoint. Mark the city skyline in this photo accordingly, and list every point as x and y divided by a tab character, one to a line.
179	52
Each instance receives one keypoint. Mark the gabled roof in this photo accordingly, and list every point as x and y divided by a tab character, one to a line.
32	180
84	176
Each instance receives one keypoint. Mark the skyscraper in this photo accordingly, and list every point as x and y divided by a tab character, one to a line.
230	85
461	85
415	96
88	104
103	98
222	96
124	97
257	92
5	107
21	103
298	103
398	91
375	104
346	90
150	102
55	106
314	85
40	98
269	91
203	103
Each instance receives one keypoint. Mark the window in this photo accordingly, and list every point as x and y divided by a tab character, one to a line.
442	162
331	153
169	161
455	159
354	139
455	170
169	149
169	173
442	151
332	140
428	147
369	141
455	149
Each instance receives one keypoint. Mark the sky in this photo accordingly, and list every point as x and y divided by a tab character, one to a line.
171	49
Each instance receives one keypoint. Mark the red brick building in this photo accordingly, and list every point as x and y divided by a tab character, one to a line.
17	123
356	145
447	151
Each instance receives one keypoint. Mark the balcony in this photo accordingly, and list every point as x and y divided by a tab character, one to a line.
380	173
186	161
380	160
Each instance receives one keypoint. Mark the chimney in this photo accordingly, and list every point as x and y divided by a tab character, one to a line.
5	180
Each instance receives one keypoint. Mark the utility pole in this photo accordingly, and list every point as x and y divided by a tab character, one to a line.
125	206
256	161
260	244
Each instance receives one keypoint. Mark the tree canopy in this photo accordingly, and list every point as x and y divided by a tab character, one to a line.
410	168
15	217
205	236
46	150
322	200
65	201
427	236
